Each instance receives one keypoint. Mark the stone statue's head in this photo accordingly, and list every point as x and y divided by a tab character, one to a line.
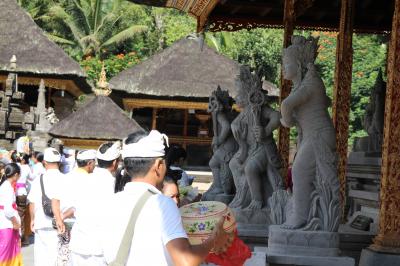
296	58
220	100
245	83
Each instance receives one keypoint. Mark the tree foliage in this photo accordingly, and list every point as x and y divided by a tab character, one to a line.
121	34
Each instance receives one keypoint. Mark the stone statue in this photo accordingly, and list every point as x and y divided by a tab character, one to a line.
256	165
316	203
373	119
223	145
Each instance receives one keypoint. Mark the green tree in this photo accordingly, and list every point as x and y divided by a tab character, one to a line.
91	26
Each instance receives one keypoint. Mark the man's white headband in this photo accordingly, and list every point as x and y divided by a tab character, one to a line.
147	147
86	155
111	154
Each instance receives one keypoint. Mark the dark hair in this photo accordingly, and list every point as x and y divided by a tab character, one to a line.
10	170
170	180
25	158
15	157
121	178
135	137
138	166
174	153
83	163
38	155
103	149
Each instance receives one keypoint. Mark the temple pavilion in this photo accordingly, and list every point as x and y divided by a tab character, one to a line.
344	17
36	58
98	121
170	90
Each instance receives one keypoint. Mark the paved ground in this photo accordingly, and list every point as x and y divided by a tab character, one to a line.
27	255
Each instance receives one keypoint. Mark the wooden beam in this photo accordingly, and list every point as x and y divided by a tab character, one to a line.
284	133
133	103
53	83
342	91
154	119
388	238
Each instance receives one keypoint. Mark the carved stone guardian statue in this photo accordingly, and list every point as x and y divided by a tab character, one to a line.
373	119
311	227
256	165
224	147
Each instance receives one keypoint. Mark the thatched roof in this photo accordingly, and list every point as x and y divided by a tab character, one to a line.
182	70
36	54
99	119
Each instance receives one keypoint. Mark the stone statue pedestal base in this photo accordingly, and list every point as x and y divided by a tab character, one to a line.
371	257
252	223
304	248
246	216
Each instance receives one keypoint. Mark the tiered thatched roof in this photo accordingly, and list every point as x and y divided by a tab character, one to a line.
99	119
37	56
182	70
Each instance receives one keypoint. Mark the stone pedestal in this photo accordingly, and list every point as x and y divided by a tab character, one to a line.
245	216
296	247
370	257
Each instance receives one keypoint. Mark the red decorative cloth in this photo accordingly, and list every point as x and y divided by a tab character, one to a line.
235	255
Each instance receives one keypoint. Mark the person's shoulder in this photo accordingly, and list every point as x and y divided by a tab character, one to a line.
165	204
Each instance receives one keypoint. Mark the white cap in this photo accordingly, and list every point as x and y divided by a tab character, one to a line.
111	153
147	147
51	155
86	155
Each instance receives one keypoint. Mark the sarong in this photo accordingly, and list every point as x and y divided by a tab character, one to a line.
21	207
10	249
64	253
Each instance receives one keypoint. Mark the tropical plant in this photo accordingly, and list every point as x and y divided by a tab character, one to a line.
92	25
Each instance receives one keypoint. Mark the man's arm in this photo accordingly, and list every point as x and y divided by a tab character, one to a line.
182	253
55	206
32	215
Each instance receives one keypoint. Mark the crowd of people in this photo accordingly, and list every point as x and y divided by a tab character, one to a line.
117	205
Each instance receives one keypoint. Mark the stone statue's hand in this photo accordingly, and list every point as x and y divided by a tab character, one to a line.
259	133
287	123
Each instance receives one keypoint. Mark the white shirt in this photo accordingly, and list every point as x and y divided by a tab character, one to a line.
51	179
22	180
158	223
37	170
7	199
86	232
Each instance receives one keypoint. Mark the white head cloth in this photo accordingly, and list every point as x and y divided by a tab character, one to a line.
111	154
148	147
51	155
86	155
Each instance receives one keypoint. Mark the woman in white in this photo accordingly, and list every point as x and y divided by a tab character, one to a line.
10	250
21	190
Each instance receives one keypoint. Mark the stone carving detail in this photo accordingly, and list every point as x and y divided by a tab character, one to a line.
39	121
255	166
224	147
314	169
373	119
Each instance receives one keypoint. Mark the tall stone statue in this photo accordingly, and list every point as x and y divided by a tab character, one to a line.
373	119
310	232
256	165
314	168
224	147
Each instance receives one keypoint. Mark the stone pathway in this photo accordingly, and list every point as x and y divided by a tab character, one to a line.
27	255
